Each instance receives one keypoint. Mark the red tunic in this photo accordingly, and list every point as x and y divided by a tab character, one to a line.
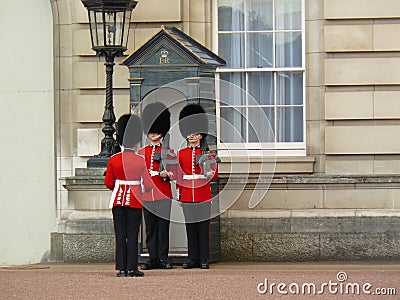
162	188
193	190
128	166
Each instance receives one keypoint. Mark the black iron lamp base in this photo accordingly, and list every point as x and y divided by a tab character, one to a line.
97	162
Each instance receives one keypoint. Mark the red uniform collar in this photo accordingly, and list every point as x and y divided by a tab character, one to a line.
195	147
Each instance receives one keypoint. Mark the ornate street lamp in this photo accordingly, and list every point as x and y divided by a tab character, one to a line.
109	28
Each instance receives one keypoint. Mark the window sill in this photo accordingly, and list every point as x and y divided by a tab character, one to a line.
257	164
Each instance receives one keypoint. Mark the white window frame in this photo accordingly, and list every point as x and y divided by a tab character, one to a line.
280	148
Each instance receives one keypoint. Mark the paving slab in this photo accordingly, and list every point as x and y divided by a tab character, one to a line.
324	280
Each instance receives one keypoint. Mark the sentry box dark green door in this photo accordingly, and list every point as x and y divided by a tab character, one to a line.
175	69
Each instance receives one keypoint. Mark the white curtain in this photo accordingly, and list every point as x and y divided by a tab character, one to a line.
288	44
289	117
288	54
230	26
261	120
232	95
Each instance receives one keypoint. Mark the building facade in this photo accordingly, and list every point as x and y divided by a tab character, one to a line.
314	104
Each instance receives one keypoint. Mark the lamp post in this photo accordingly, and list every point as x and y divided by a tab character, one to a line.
109	28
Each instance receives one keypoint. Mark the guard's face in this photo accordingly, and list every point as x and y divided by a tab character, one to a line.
154	137
194	137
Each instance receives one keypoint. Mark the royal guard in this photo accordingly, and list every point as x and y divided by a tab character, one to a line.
196	168
161	164
126	175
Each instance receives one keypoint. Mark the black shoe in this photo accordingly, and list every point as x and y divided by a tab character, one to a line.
151	264
191	264
135	273
163	264
204	265
121	274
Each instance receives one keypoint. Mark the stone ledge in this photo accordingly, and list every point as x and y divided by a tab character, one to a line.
85	177
84	222
251	179
90	172
93	176
310	213
79	182
311	225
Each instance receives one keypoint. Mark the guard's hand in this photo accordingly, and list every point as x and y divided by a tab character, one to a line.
164	173
210	175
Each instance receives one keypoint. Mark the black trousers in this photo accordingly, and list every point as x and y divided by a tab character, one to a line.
197	221
157	217
126	227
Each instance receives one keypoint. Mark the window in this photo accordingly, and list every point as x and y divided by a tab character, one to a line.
262	87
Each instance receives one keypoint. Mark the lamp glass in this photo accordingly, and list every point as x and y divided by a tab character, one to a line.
125	31
109	28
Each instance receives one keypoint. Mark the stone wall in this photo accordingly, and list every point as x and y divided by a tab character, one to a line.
310	239
343	204
315	218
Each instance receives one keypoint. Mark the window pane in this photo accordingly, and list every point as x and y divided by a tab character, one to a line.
233	125
228	42
290	124
288	49
259	14
288	14
232	89
230	15
260	50
289	88
261	87
261	125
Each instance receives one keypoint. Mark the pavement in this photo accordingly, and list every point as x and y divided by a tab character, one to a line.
319	280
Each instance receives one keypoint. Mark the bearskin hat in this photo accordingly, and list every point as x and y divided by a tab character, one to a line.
156	118
129	130
193	119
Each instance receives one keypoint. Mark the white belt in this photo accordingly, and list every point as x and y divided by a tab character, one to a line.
118	183
194	176
127	182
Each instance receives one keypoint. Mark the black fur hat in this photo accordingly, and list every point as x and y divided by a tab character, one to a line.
129	130
156	118
193	119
